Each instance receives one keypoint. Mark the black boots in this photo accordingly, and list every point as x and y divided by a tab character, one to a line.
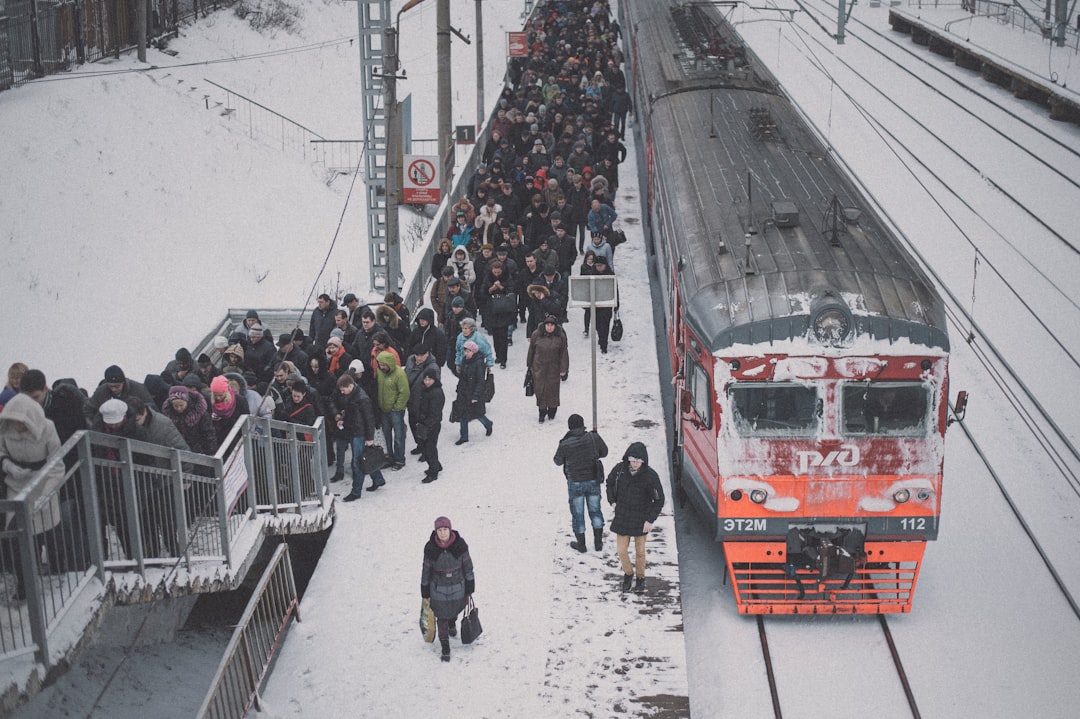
598	539
453	628
579	544
445	649
543	414
639	585
627	580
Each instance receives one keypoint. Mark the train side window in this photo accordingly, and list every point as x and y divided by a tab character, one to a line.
699	389
888	408
771	409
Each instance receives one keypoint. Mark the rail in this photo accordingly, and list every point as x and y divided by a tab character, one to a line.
108	516
235	687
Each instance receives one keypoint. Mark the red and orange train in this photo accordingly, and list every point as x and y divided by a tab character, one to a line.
812	351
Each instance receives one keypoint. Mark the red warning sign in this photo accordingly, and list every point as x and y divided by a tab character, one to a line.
517	44
421	182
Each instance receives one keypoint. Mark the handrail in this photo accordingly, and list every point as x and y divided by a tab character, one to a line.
235	686
104	507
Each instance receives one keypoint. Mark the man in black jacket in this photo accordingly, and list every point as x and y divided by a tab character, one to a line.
579	455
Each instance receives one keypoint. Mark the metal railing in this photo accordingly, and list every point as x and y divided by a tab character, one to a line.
235	687
104	507
265	125
1007	13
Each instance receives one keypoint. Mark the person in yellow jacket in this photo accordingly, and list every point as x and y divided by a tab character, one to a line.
393	399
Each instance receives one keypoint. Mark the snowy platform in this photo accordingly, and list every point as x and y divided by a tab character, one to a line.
999	52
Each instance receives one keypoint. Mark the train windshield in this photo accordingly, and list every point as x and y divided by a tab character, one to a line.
775	409
888	408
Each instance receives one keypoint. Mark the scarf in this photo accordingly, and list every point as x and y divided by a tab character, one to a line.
225	409
449	540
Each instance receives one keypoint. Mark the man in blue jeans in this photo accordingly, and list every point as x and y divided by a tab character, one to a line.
579	455
393	399
356	429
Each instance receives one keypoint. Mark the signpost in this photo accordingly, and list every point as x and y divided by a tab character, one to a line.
593	291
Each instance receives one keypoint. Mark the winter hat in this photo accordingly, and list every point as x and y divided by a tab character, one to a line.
114	374
220	343
255	329
284	339
552	319
338	332
356	367
251	315
178	391
458	302
431	372
113	411
472	346
204	359
575	421
453	282
192	380
443	522
219	384
334	340
183	356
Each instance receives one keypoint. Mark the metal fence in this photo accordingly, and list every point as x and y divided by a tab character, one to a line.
123	506
42	38
1012	14
236	685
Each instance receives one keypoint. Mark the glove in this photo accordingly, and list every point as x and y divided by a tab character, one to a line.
16	472
564	376
427	602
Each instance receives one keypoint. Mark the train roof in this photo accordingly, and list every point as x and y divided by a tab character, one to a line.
734	159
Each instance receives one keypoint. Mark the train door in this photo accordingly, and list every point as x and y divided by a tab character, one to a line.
697	426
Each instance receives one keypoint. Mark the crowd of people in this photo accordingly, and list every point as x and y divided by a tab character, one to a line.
539	208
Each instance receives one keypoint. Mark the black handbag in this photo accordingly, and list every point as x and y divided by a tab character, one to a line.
470	623
489	387
455	411
530	389
616	328
503	304
372	459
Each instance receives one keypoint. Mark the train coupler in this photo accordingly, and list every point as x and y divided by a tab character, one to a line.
832	553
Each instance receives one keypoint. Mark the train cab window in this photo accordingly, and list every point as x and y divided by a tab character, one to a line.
889	408
697	385
775	409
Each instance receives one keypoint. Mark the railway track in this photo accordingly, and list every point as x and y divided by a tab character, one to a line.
897	663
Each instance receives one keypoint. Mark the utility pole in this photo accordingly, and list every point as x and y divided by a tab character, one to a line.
393	157
479	66
443	133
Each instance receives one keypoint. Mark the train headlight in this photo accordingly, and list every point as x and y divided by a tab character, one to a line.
758	496
831	326
901	495
830	318
923	495
736	494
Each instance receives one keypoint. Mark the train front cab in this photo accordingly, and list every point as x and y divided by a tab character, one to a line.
823	499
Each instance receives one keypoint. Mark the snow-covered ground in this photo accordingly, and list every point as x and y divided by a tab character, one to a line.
132	216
